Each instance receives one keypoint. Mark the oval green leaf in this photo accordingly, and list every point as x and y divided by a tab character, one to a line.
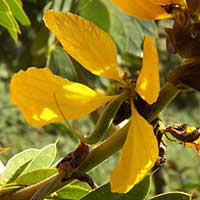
139	192
44	158
18	12
173	195
35	176
73	191
9	10
17	164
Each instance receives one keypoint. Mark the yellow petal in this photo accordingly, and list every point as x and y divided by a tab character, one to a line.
148	82
139	155
39	94
195	144
167	2
4	149
142	9
2	167
85	42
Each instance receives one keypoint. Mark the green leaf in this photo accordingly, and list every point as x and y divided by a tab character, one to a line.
128	36
4	6
138	192
128	32
173	195
74	191
148	27
35	176
9	10
59	5
7	22
61	63
44	158
18	12
96	12
17	164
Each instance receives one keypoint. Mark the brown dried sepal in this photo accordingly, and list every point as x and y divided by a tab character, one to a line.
70	163
181	133
181	38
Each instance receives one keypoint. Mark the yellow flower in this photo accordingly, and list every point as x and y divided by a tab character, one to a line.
195	144
34	90
147	9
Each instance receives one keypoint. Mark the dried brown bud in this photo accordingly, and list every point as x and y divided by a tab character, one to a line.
74	159
181	38
193	6
184	133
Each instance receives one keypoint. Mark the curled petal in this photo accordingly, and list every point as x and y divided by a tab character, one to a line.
85	42
148	82
39	94
138	156
142	9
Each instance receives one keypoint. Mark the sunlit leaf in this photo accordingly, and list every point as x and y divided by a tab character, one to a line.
9	10
17	164
35	176
18	12
43	159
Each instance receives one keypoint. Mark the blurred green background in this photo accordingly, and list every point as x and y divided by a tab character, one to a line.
33	48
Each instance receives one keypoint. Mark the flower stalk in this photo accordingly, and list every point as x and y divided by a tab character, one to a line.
166	96
105	120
